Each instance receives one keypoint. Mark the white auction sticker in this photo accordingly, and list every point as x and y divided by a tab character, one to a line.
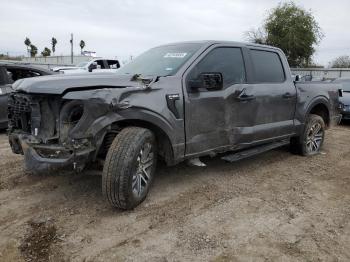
175	55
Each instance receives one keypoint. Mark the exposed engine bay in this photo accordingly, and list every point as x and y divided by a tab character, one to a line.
49	127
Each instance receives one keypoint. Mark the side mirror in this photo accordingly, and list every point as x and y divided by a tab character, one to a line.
92	66
340	92
209	81
297	78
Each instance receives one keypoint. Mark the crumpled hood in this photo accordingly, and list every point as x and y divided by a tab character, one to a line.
59	84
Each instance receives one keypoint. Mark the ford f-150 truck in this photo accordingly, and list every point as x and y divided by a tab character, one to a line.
177	102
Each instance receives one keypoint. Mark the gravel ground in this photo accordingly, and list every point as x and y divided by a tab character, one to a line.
273	207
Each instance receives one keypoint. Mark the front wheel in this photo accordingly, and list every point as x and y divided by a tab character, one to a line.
129	167
311	141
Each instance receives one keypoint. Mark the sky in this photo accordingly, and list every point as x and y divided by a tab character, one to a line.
121	28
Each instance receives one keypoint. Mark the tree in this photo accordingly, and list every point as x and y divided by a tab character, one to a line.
33	50
82	45
27	43
46	52
291	28
341	62
53	44
257	36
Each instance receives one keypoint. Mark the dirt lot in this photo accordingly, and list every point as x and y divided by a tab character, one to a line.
274	207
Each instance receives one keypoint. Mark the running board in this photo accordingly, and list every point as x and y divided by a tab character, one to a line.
254	151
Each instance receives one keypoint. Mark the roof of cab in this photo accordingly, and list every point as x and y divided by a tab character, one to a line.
213	42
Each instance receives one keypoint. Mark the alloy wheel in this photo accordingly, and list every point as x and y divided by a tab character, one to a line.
314	138
142	177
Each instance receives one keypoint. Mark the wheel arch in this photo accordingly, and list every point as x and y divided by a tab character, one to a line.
320	106
164	142
165	149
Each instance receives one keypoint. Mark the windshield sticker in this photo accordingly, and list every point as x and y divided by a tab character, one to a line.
169	69
175	55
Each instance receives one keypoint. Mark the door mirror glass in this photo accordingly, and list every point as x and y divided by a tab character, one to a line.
209	81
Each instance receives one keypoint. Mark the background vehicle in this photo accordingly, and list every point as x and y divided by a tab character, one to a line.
96	65
178	101
345	99
9	73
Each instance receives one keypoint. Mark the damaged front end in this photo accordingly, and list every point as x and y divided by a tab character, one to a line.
51	132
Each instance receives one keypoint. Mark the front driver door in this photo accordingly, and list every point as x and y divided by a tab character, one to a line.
215	119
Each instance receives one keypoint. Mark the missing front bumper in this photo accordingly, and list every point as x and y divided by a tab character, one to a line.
40	158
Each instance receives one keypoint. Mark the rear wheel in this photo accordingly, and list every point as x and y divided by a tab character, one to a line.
311	141
129	167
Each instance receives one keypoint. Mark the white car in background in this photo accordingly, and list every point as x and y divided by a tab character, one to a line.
96	65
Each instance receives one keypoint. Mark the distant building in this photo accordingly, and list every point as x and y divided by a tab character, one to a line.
88	53
53	61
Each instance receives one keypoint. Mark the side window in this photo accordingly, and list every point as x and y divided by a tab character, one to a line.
10	77
3	76
100	64
267	67
113	64
14	74
225	60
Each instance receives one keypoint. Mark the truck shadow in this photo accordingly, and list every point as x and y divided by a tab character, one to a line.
169	181
345	123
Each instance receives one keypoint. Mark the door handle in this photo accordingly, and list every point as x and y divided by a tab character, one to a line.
244	97
287	95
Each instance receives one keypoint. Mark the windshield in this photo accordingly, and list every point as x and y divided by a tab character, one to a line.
160	61
82	64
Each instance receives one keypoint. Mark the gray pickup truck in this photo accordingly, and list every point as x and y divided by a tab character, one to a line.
177	102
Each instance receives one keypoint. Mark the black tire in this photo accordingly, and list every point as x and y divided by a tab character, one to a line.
311	141
125	183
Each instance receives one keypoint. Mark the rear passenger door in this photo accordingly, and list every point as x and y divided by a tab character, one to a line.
275	94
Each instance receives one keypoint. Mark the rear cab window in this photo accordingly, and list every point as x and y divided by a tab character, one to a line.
267	66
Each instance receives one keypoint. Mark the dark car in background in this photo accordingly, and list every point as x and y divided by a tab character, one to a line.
345	99
9	73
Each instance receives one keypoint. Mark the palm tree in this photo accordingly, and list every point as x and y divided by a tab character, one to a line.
53	44
33	50
27	43
46	52
82	45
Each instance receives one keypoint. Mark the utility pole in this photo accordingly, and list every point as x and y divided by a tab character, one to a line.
71	48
